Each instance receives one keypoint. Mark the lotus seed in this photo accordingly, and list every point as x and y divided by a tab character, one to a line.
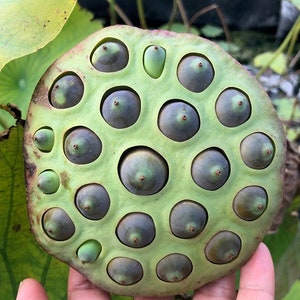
67	91
154	60
89	251
43	139
48	182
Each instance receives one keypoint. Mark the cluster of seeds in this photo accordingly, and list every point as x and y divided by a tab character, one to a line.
153	161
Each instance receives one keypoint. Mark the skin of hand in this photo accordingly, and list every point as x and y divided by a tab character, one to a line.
257	282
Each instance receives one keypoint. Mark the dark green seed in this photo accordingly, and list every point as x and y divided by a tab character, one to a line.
89	251
223	248
187	219
178	120
43	139
195	73
48	182
82	146
143	171
92	201
250	202
67	91
154	60
174	267
125	271
136	230
257	150
110	57
233	108
121	108
57	224
210	169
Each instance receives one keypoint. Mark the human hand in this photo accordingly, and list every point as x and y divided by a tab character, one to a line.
256	282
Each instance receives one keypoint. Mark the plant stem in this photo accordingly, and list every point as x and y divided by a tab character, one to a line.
141	13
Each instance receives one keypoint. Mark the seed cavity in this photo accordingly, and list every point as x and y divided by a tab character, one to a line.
82	145
210	169
110	56
178	120
154	60
92	201
195	72
174	267
233	107
125	271
223	248
89	251
136	230
143	171
188	219
66	91
257	150
43	139
57	224
121	108
48	182
250	202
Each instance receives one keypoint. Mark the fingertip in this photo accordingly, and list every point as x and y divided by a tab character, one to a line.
31	289
257	275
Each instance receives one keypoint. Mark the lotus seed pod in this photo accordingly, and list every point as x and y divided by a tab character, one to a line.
89	251
43	139
121	108
250	202
125	271
223	248
195	73
257	150
143	171
48	182
168	164
92	200
233	108
174	267
136	230
187	219
154	60
210	169
110	57
178	120
57	224
82	146
67	91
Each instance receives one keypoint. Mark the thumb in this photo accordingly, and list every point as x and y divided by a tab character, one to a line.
30	289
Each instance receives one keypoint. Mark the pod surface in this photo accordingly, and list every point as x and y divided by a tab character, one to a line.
149	166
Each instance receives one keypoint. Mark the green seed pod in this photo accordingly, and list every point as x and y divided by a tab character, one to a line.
89	251
178	120
174	267
143	171
57	224
223	248
48	182
43	139
121	108
250	202
136	230
210	169
110	56
154	60
257	150
187	219
195	73
66	91
92	200
82	146
125	271
233	107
